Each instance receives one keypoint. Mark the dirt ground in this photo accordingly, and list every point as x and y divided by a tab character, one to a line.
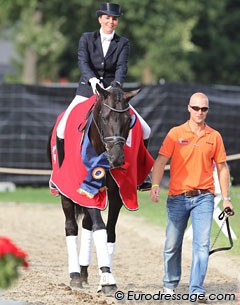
138	262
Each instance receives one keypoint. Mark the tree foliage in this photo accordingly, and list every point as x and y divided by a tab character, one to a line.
180	40
160	35
217	36
35	35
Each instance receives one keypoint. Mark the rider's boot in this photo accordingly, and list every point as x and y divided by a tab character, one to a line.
60	150
147	184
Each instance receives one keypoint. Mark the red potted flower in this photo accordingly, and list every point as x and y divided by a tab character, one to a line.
11	258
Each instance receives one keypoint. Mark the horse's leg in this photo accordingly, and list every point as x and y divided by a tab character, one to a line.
85	253
115	204
71	229
107	281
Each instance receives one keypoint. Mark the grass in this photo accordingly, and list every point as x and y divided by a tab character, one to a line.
153	213
29	194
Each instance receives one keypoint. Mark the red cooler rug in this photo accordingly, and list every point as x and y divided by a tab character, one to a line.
81	176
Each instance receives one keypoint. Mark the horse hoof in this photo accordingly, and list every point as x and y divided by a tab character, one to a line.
75	280
76	283
84	275
84	280
109	290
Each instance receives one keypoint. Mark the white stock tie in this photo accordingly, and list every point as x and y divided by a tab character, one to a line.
106	37
106	40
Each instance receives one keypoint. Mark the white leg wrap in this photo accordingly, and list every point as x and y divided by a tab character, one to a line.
111	250
85	248
72	248
100	240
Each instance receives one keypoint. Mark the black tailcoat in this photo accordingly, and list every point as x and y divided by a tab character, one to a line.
92	63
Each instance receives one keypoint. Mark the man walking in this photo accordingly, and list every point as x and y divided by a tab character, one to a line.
193	148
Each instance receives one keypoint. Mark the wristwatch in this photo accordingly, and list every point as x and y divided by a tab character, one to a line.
227	198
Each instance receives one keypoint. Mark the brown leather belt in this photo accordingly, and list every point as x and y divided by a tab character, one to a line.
193	193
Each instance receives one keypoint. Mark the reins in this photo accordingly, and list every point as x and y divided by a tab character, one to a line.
83	126
224	214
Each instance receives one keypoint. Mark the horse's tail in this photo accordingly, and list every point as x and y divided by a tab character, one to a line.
79	211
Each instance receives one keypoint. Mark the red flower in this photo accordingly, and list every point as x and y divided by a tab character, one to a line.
11	257
7	247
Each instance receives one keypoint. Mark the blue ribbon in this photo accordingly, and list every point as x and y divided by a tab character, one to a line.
96	166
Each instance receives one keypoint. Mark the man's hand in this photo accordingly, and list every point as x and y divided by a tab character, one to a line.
154	193
227	204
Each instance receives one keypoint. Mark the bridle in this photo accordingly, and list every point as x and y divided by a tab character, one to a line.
225	213
114	140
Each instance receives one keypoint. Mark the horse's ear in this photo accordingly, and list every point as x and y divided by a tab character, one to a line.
101	91
131	94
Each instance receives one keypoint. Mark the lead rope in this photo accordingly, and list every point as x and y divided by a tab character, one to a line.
217	235
228	212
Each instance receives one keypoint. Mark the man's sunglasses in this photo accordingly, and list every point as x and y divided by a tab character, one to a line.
196	108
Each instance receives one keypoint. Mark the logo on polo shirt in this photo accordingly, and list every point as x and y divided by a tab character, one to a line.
209	143
183	141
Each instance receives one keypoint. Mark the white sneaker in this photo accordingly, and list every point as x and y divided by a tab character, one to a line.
168	290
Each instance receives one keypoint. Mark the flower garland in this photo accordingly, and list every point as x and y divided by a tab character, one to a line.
11	258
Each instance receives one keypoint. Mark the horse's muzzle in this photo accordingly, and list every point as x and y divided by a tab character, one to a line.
115	157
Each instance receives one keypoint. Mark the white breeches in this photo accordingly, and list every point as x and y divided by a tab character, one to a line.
62	124
79	99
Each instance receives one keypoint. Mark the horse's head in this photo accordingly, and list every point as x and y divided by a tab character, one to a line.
113	122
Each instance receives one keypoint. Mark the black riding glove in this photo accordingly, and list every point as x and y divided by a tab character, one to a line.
116	84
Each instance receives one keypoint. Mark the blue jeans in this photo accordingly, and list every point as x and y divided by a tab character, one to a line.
200	210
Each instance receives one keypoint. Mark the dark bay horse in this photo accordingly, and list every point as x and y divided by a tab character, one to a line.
108	132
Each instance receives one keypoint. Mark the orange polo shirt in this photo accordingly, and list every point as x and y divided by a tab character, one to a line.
192	158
